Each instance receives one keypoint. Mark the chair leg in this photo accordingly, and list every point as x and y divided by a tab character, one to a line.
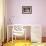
12	38
15	38
25	36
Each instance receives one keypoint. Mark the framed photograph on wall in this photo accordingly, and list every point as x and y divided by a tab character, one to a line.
26	9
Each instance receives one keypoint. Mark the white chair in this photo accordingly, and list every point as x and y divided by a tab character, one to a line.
17	31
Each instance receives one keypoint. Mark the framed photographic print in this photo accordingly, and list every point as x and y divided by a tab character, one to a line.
26	9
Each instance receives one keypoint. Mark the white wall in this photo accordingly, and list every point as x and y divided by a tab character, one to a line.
38	15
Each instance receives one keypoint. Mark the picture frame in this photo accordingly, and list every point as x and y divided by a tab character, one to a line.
26	9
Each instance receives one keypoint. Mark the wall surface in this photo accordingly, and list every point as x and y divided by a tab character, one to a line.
38	16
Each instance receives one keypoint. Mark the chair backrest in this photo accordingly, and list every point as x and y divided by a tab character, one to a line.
18	30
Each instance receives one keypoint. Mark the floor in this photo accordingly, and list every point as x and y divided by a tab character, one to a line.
18	43
23	43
